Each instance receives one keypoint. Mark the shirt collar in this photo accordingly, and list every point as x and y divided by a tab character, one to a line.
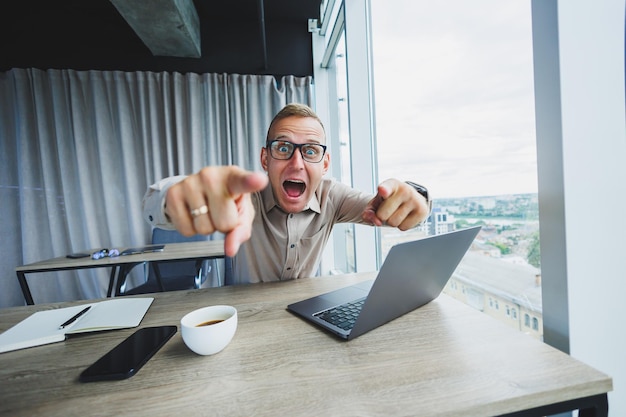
269	202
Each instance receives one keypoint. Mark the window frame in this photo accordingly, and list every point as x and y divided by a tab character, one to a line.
351	18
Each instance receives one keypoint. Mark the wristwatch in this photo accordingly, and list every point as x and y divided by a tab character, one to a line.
422	190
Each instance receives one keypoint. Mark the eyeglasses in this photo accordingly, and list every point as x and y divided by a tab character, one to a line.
282	149
105	252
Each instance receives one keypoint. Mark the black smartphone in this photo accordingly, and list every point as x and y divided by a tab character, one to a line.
78	255
125	359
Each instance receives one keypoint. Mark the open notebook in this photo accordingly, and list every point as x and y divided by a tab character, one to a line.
44	327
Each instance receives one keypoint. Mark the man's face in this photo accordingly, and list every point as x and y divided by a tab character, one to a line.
295	180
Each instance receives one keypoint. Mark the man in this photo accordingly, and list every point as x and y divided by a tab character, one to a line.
276	225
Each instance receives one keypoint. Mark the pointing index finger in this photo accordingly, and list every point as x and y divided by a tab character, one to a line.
241	182
386	189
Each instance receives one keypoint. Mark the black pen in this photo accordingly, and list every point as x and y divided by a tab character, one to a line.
74	318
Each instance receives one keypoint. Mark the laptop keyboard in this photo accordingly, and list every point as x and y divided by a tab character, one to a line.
343	316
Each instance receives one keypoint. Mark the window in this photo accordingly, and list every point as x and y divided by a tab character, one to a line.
454	108
341	55
455	112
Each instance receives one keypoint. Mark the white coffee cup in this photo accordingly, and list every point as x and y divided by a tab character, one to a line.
208	330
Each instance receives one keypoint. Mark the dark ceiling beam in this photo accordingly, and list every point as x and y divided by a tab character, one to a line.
166	27
261	11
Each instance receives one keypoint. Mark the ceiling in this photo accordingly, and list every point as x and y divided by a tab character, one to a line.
91	34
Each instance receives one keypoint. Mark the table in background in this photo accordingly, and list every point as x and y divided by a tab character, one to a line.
120	264
444	359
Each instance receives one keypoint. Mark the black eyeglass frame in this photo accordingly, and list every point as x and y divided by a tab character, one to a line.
296	146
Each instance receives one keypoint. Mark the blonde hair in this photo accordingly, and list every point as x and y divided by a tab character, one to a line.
293	109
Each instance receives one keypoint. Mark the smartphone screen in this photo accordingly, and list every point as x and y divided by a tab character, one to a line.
125	359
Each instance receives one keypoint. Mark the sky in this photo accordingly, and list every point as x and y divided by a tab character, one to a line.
454	95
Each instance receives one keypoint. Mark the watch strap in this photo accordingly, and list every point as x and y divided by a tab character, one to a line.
423	191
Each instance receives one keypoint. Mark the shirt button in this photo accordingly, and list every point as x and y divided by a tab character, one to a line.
289	269
292	246
291	216
150	218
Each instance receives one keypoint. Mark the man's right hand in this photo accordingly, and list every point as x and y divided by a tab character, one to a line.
225	191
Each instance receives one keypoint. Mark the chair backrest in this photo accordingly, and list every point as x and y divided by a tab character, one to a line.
172	236
178	269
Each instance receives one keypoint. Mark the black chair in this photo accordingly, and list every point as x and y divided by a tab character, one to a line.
173	275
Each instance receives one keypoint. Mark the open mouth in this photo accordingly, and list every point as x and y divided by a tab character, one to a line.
294	188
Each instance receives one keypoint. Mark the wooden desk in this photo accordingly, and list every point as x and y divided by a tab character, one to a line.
171	252
444	359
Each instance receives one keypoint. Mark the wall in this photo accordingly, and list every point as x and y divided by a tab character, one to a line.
581	142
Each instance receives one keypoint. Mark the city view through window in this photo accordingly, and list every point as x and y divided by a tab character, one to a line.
455	112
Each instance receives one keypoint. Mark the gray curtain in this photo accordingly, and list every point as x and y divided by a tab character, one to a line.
79	148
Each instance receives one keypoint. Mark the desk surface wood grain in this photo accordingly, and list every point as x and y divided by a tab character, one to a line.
444	359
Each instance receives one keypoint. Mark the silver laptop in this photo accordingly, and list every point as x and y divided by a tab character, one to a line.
413	274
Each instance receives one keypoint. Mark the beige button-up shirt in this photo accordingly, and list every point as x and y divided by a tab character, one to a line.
282	246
